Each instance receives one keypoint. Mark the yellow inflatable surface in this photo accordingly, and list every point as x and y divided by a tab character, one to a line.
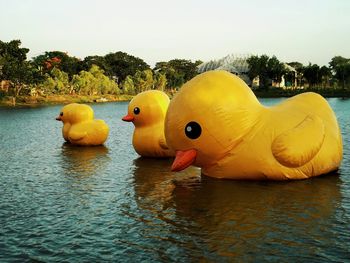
79	126
147	112
215	122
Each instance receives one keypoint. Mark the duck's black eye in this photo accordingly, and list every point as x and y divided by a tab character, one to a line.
193	130
136	110
61	114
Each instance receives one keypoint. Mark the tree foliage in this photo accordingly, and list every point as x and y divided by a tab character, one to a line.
266	68
128	85
56	82
55	72
341	69
120	65
311	74
94	82
177	71
160	81
99	61
298	76
58	59
15	68
325	76
275	69
143	80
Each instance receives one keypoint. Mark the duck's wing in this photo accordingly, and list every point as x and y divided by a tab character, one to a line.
300	144
76	134
162	144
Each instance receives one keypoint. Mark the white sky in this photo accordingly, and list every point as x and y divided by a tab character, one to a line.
155	30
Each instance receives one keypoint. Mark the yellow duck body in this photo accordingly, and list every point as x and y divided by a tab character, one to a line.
79	126
147	112
216	122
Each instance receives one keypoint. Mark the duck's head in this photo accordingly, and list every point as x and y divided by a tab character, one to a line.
208	118
75	113
147	107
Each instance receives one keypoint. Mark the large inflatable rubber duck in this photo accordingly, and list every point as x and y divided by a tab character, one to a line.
79	126
215	122
147	112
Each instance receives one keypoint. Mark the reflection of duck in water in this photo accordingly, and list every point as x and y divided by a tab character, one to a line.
147	112
84	160
154	183
243	219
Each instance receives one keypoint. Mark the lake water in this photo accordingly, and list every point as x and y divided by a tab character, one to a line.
74	204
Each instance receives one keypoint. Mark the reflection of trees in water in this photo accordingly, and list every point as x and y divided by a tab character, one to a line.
83	161
241	218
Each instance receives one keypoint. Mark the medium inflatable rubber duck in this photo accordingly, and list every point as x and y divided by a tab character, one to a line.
147	112
215	122
79	126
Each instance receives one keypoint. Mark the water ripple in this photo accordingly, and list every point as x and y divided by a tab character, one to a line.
92	204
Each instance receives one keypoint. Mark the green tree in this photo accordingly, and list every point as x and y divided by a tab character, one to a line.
56	82
160	81
58	59
103	83
174	79
128	85
93	82
143	80
311	74
121	64
275	69
296	65
99	61
267	69
299	67
341	69
81	83
177	71
254	67
325	75
258	67
185	68
15	68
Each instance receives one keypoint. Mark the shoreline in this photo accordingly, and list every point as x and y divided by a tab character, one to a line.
286	93
33	101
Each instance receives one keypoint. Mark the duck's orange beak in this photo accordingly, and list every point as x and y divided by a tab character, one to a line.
128	118
183	159
58	118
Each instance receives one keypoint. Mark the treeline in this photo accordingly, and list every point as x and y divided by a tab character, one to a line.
270	72
56	72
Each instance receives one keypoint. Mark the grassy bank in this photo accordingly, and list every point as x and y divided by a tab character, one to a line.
65	99
59	99
273	92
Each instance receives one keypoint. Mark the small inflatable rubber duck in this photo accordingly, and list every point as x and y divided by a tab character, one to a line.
79	126
147	112
215	122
